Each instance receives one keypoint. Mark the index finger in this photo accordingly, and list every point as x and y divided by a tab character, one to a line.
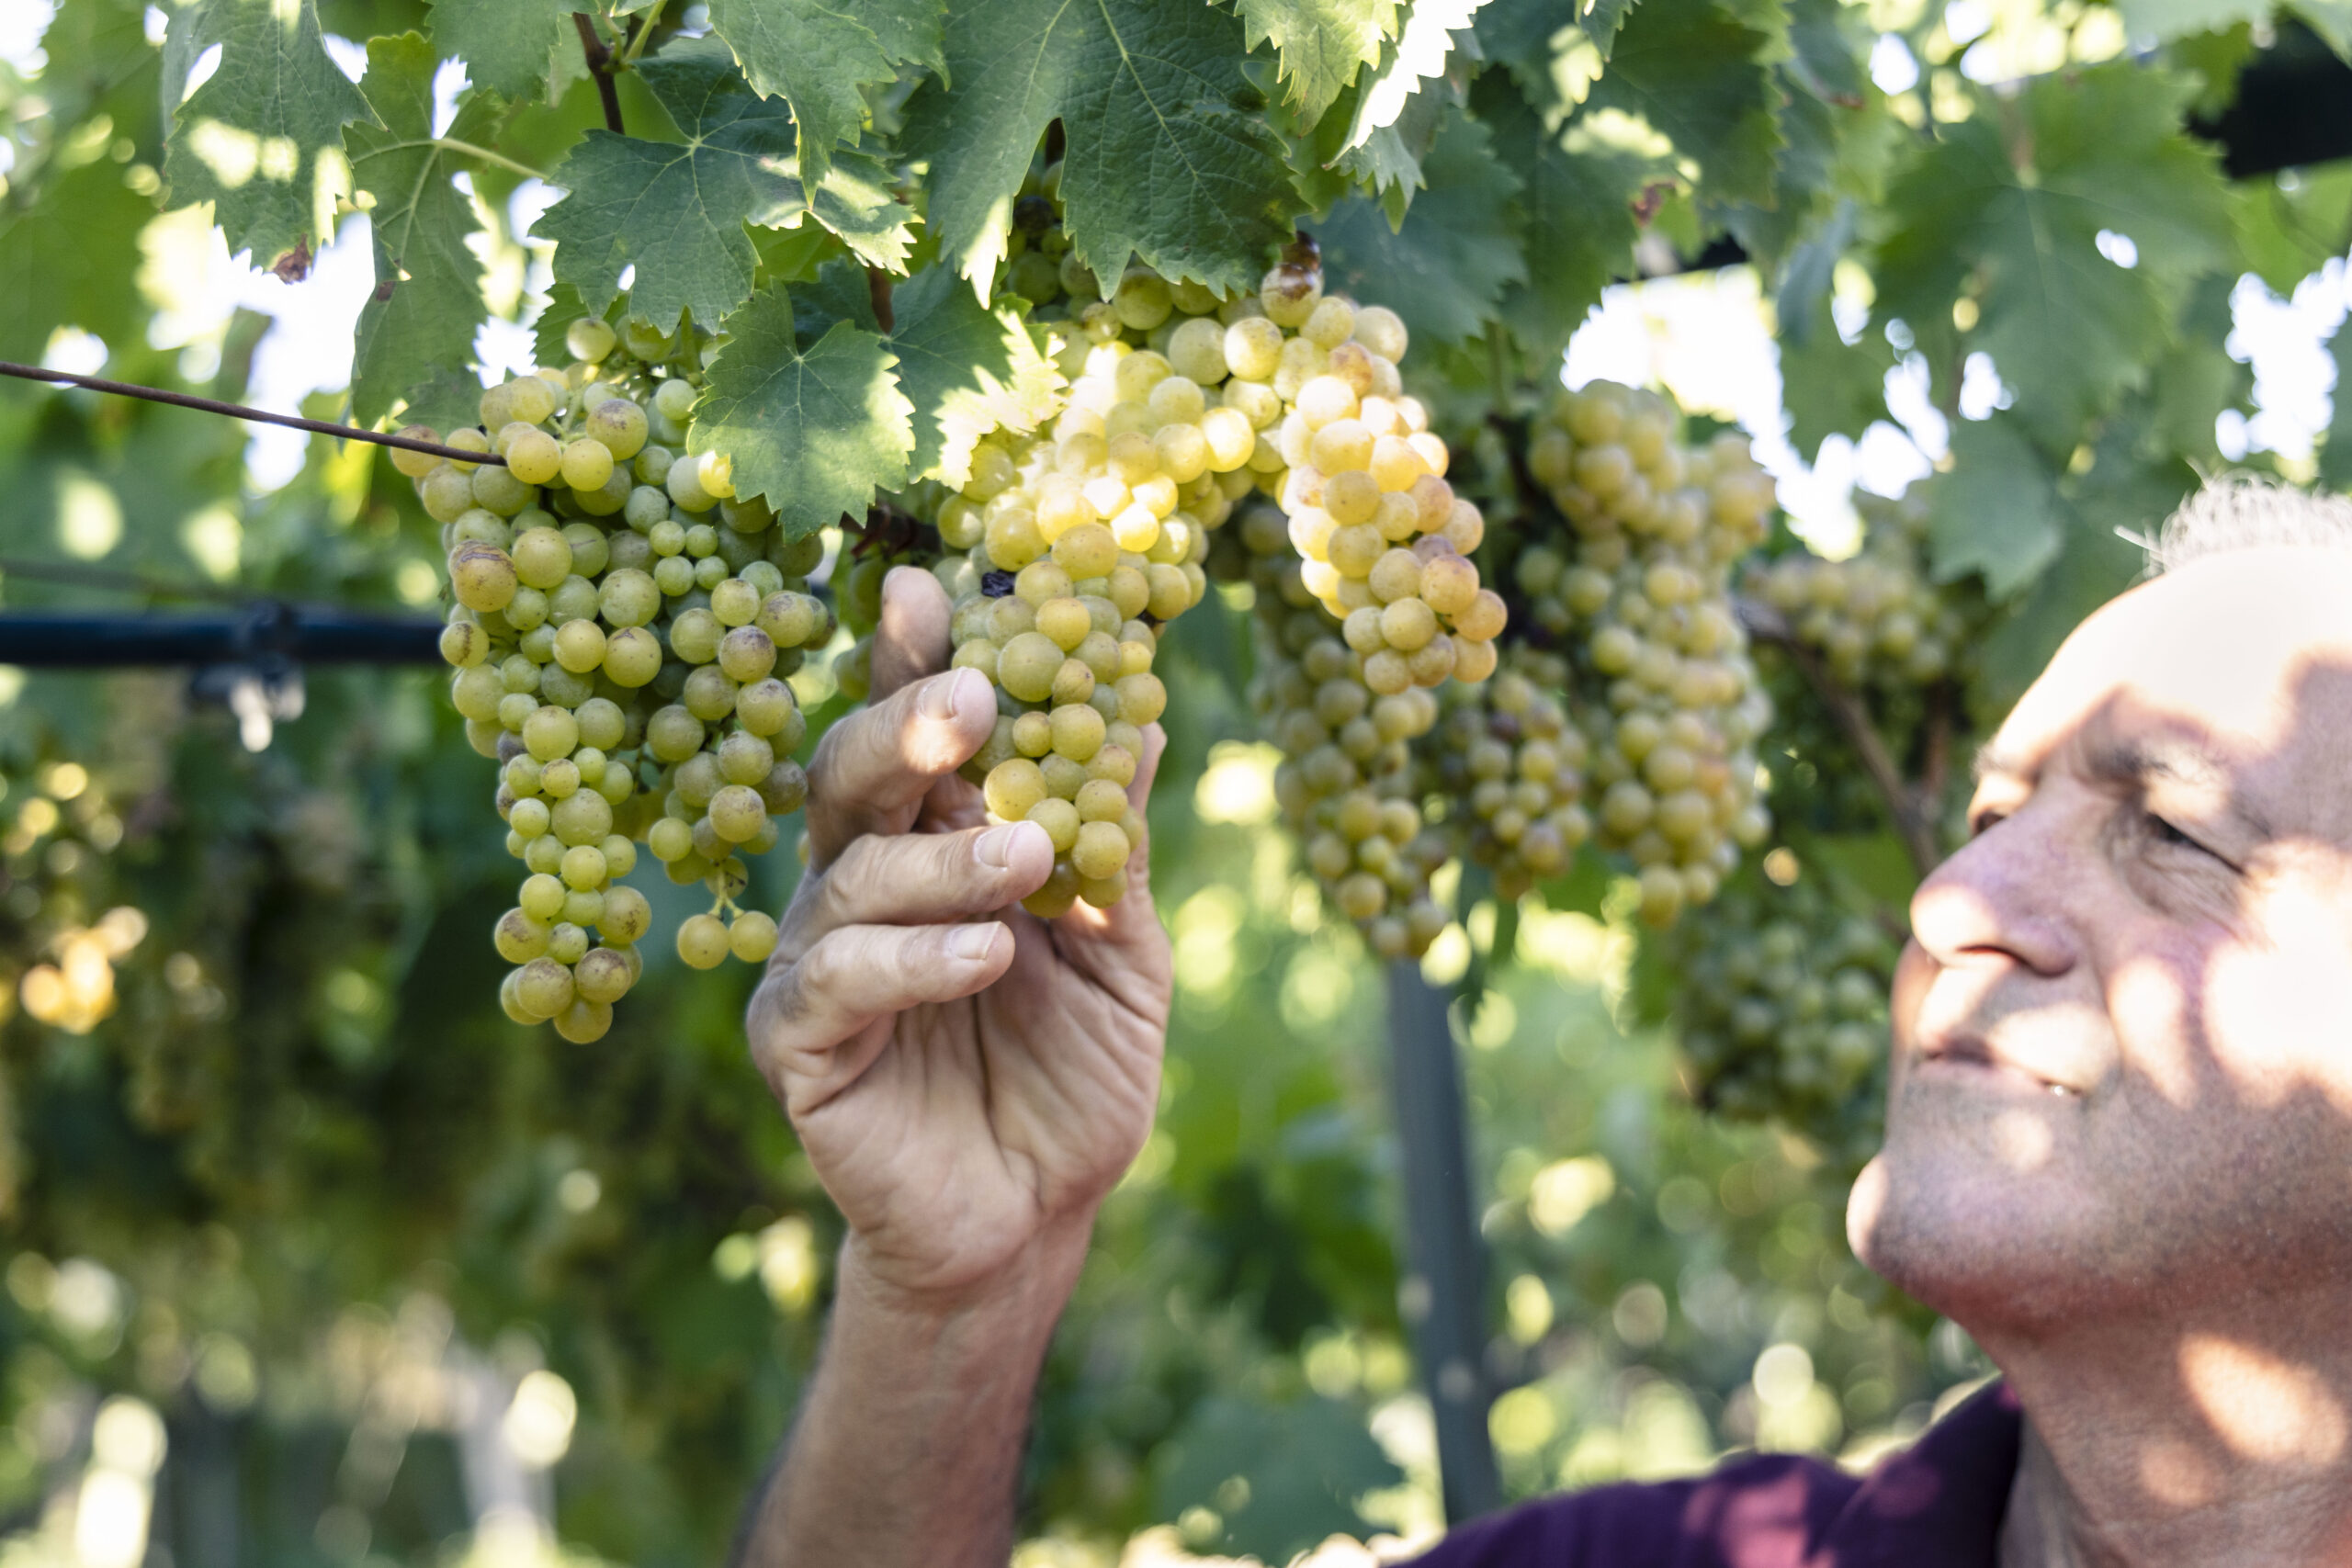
873	768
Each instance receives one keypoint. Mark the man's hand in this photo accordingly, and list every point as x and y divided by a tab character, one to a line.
966	1078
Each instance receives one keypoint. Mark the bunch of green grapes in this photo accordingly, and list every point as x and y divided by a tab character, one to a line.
1075	549
1383	540
1347	785
622	631
1880	622
1780	997
1510	763
1636	595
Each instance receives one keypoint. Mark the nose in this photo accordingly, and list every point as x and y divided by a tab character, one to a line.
2000	900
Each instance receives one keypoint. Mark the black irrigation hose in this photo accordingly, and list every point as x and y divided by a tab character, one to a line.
258	633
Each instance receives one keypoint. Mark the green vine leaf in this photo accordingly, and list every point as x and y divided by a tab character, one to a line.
1998	512
1168	155
1321	44
509	46
814	433
1445	269
675	211
1576	210
967	370
427	303
69	256
1697	73
2010	206
262	139
820	55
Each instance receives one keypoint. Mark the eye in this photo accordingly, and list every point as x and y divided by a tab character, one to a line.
2164	832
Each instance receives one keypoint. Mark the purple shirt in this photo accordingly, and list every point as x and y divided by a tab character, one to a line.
1935	1505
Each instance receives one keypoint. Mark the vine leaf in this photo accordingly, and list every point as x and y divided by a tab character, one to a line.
69	257
1829	386
428	300
2012	205
509	46
815	432
1418	54
1445	268
1697	73
1321	44
1997	512
675	211
1577	209
1168	155
820	55
967	369
262	138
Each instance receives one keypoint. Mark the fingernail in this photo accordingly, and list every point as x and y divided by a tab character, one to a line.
995	846
943	696
972	943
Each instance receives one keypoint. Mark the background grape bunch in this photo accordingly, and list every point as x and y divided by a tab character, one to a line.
622	630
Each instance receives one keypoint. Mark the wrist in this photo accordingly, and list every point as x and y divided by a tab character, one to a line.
1030	1287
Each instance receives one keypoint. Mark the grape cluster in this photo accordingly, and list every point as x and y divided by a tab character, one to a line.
1877	620
1638	596
1077	546
1510	762
622	630
1347	785
1781	999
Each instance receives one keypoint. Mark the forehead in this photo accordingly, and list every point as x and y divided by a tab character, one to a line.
2247	655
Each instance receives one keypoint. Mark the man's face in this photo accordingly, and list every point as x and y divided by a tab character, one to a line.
2122	1074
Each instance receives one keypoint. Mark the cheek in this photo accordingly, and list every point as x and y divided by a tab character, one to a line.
2276	1016
2155	1005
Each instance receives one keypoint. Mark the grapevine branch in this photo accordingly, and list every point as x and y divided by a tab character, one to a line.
600	67
1911	825
238	410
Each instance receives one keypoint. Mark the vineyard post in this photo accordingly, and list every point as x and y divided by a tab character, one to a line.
1444	1289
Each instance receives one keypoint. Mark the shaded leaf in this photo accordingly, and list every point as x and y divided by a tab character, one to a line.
818	57
1577	211
509	46
814	433
1167	156
69	256
262	139
2016	219
675	211
1997	512
1445	270
1698	74
428	300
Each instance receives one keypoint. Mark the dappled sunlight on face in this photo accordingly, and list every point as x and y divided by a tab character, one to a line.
2123	1034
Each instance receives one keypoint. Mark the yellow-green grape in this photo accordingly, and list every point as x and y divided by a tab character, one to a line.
412	464
751	936
1878	620
1638	590
703	942
583	1021
1781	1013
1510	767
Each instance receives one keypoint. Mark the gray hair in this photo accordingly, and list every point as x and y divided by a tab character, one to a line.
2243	511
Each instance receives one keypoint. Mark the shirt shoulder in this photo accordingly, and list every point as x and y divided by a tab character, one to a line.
1935	1505
1764	1511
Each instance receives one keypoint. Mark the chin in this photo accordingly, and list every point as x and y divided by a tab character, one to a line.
1987	1245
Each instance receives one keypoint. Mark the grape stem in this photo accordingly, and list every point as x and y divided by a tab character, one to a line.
644	30
599	57
238	410
1905	806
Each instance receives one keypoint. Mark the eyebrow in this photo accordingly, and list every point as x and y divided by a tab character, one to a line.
2132	763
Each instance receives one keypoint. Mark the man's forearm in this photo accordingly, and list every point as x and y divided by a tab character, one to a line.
907	1449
